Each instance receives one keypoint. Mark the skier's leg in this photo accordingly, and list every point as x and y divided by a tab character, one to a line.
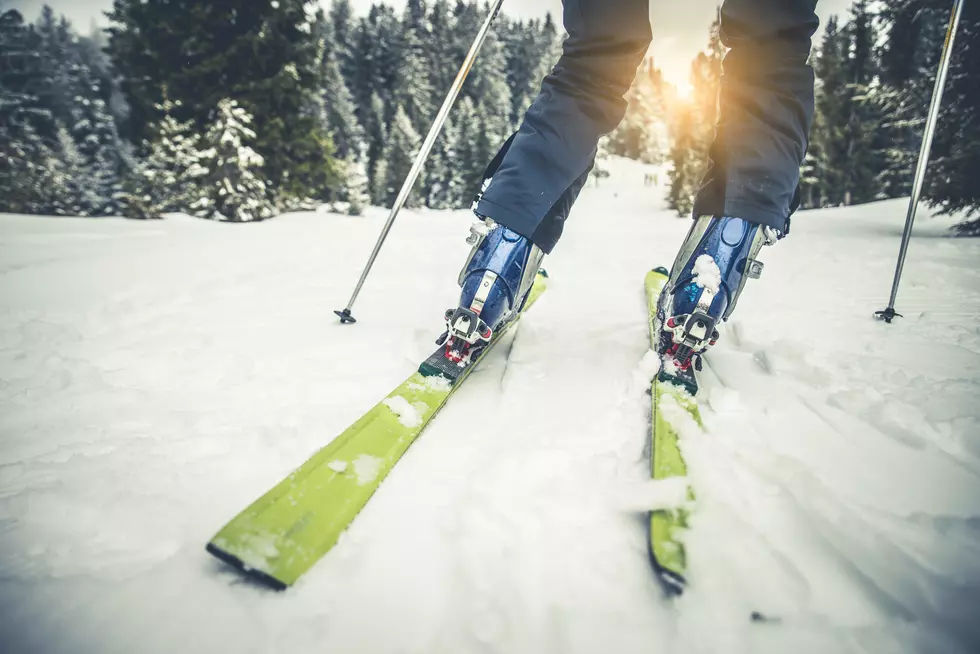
765	112
538	173
551	154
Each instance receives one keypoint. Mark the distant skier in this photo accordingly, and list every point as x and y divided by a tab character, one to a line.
745	200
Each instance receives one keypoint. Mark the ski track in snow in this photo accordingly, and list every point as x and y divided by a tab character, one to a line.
155	378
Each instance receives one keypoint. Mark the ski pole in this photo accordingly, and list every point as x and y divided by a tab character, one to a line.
430	139
889	313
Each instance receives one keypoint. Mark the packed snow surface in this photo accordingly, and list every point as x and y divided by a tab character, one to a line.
156	378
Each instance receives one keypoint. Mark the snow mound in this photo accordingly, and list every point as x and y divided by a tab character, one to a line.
366	468
407	414
706	273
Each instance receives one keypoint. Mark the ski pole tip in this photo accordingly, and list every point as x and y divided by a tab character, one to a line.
345	317
888	315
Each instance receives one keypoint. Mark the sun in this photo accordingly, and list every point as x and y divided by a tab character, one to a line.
684	89
676	72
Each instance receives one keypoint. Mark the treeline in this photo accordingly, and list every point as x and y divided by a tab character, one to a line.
241	109
875	75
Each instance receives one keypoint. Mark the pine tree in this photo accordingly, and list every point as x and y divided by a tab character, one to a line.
828	136
403	145
234	189
94	131
175	164
73	194
57	58
377	137
469	150
338	102
915	34
443	186
521	48
342	41
864	159
264	55
486	86
442	53
357	195
28	157
413	91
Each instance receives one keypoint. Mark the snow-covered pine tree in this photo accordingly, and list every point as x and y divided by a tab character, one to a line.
443	186
848	149
531	50
413	92
468	152
550	45
441	48
403	145
338	102
487	86
94	131
172	170
71	193
376	138
56	57
27	157
234	188
915	32
356	193
265	55
343	38
864	157
828	137
520	48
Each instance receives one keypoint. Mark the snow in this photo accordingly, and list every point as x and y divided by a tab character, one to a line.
408	415
645	371
706	273
366	468
156	377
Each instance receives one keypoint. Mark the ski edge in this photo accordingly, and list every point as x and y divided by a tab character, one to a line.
665	547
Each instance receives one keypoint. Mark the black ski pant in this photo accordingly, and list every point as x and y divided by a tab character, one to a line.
766	108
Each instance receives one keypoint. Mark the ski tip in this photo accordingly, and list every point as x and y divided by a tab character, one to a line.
660	270
544	273
345	317
671	581
235	562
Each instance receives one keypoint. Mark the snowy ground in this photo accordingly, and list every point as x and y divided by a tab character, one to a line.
156	377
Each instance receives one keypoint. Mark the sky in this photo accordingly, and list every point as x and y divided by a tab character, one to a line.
679	28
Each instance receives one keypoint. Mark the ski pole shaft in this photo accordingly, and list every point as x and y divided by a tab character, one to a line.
430	139
923	163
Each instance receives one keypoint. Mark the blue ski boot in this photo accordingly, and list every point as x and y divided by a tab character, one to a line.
496	280
711	269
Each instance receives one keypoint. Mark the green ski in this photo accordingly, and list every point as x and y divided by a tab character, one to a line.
287	530
666	526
